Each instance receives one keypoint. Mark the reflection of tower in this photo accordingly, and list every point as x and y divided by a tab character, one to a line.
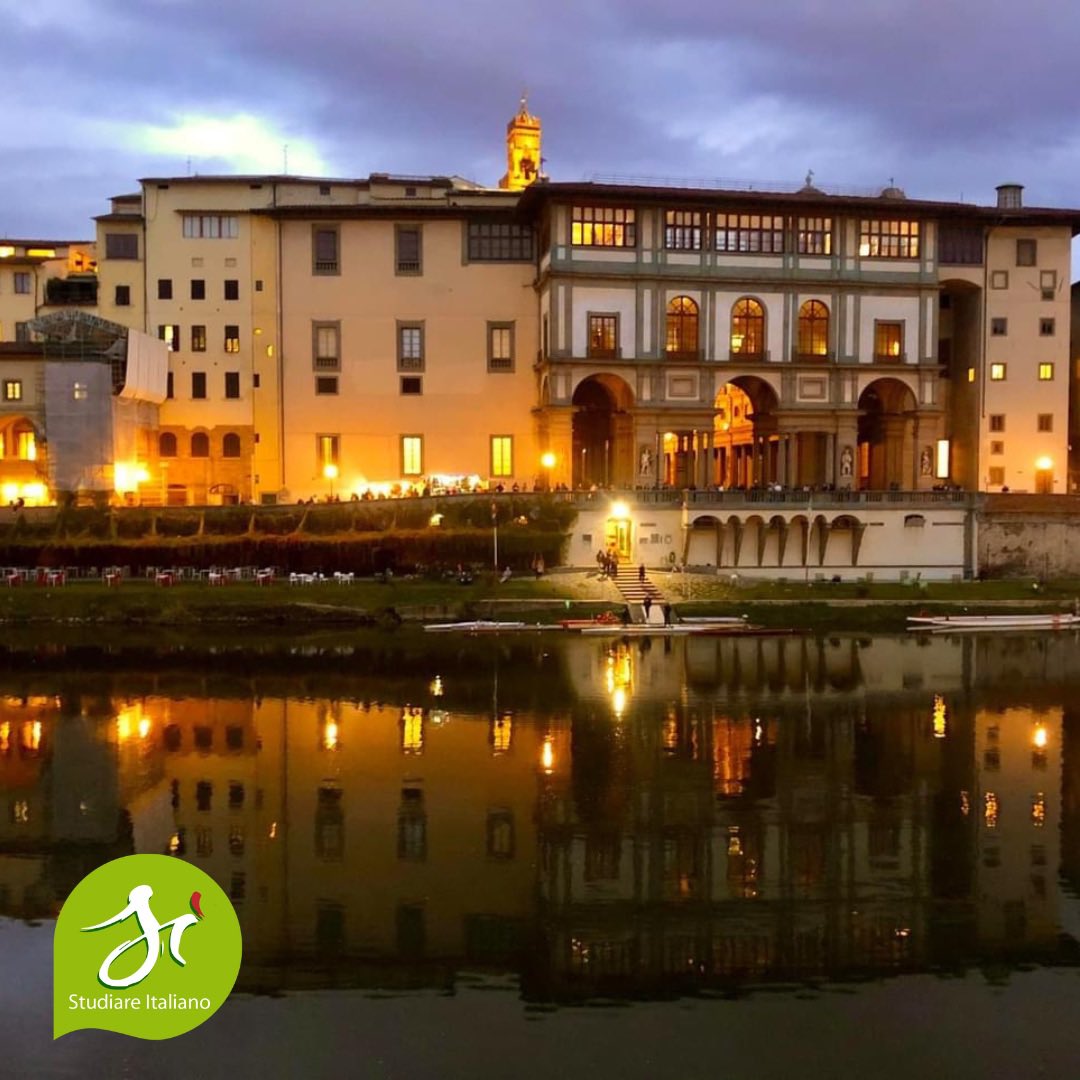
522	149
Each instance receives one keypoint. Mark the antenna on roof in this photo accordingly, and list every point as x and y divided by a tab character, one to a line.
189	166
285	159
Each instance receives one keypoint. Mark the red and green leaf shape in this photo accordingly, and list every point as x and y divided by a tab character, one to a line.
196	899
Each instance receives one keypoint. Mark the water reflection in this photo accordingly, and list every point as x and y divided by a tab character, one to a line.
599	818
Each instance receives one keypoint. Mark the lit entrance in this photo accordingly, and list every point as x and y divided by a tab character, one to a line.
618	534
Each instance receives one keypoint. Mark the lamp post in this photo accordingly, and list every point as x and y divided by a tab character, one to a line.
547	462
330	472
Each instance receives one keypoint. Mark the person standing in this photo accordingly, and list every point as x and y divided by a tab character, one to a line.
641	574
646	605
667	613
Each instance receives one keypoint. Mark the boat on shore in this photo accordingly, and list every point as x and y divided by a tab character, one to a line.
1052	621
481	626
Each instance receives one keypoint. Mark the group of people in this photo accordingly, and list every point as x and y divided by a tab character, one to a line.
608	562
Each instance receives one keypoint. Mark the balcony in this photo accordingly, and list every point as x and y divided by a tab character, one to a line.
601	352
80	290
890	358
326	266
410	363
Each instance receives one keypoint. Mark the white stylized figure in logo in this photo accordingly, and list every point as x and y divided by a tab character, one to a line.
139	905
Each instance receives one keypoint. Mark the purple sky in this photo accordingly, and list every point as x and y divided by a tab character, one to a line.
947	98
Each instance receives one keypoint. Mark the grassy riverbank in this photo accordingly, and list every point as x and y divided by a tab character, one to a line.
801	606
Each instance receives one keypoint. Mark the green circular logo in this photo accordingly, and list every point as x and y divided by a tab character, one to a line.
147	946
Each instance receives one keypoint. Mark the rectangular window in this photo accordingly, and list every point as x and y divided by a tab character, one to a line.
814	236
232	289
1027	252
13	389
491	240
603	226
682	230
232	339
22	333
232	384
603	336
1048	284
999	279
326	451
22	282
326	346
164	289
500	346
412	826
326	384
1045	422
324	250
412	384
889	239
198	289
1046	372
960	245
122	296
889	342
999	327
169	384
198	339
971	374
997	447
502	455
121	245
170	334
750	234
407	249
997	422
79	391
997	474
410	346
997	372
1046	327
412	455
211	227
198	384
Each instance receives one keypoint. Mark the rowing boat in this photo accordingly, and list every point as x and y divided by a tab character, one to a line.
1059	621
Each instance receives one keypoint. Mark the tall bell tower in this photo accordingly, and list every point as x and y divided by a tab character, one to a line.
522	149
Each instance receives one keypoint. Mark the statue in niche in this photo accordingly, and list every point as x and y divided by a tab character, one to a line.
645	462
926	462
847	461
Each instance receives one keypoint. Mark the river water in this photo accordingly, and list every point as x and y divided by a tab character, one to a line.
541	855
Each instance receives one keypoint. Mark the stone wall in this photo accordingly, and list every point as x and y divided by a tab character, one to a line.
1030	535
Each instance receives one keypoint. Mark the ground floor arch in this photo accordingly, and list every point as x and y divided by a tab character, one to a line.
886	455
602	433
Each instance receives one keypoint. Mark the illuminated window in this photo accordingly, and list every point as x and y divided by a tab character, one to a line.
990	810
493	240
170	334
211	227
603	336
748	328
13	389
326	346
997	422
500	834
603	226
167	444
407	247
324	250
200	444
230	445
1027	252
198	339
1046	372
502	729
813	329
232	339
749	234
198	385
682	230
888	341
326	451
22	282
1044	422
500	346
25	445
410	346
814	236
999	327
971	374
889	239
502	455
682	328
997	372
412	455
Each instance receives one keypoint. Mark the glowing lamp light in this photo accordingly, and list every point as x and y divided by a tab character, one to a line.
1039	737
620	510
1044	464
330	471
330	737
941	720
618	700
547	755
547	459
144	727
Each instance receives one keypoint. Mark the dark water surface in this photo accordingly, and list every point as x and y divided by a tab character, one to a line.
541	856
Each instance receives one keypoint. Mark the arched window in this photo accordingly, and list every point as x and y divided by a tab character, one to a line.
748	328
200	444
813	329
682	327
230	445
167	444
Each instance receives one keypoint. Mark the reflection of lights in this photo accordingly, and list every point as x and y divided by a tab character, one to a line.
330	736
902	932
1039	738
940	717
547	755
144	727
618	700
502	728
965	803
439	717
5	737
990	810
1038	810
174	844
412	730
31	736
435	520
273	830
436	686
734	843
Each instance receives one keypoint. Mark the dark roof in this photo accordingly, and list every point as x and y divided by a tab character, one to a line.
22	350
132	218
537	194
39	243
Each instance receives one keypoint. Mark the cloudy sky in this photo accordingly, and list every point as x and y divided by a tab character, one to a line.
948	97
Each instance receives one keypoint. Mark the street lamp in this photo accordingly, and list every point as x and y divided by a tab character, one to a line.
547	462
330	472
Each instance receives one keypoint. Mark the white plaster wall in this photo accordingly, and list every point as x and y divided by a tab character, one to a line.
621	302
888	309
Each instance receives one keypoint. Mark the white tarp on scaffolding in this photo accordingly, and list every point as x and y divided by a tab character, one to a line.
147	368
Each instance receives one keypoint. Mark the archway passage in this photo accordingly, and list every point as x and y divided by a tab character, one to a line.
603	433
886	436
744	432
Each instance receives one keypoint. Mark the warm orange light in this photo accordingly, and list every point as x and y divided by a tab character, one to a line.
940	717
1039	737
547	755
31	735
330	735
547	459
330	471
1044	463
5	737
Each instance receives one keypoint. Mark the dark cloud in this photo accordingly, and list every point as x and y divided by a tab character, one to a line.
946	98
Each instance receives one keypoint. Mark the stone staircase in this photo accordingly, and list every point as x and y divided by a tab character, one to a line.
634	592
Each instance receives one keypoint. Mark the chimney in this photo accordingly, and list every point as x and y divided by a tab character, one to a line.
1010	196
